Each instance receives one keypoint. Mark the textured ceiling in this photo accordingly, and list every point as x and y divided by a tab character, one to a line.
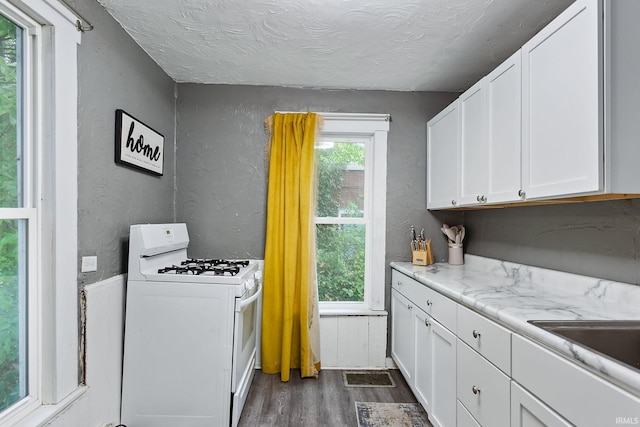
414	45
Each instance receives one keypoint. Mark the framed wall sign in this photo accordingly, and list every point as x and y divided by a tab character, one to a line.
137	145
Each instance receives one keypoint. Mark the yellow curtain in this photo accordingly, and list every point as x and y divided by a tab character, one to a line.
290	329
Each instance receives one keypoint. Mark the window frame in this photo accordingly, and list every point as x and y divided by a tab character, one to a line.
374	127
51	137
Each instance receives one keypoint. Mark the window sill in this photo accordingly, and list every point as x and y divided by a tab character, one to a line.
346	311
43	414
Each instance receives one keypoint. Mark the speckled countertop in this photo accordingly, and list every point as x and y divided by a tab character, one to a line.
513	293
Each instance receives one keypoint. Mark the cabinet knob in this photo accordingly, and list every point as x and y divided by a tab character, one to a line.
426	322
410	307
453	202
475	389
476	333
429	302
399	283
483	199
521	194
478	198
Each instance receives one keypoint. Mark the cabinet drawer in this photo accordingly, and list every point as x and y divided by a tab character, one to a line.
431	302
573	392
464	418
486	337
482	388
527	411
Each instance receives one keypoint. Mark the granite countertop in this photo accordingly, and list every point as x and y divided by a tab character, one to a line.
512	294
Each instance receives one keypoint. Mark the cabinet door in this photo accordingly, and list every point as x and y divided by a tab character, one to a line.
435	369
423	376
443	366
562	93
474	155
442	159
402	337
504	131
527	411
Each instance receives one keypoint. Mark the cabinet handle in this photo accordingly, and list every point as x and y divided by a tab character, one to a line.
475	389
426	322
521	194
453	202
429	302
476	333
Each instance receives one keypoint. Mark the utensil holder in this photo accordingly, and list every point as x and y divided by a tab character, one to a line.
455	254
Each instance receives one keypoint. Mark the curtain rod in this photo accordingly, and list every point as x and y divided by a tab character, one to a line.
347	116
79	22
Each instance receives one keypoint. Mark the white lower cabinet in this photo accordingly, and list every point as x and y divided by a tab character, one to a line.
469	371
482	388
579	396
435	369
465	419
423	376
402	337
425	350
528	411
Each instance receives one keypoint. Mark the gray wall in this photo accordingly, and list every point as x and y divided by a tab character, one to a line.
600	239
221	185
113	72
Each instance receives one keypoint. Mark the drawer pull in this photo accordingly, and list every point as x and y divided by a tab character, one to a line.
426	322
476	334
429	302
475	389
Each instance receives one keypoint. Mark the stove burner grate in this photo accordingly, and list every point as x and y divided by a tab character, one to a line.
196	266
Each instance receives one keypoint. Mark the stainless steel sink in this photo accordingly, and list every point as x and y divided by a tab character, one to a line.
616	339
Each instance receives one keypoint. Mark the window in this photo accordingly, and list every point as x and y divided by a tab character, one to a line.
350	216
38	180
17	216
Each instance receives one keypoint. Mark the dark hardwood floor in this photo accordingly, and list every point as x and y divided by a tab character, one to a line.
325	401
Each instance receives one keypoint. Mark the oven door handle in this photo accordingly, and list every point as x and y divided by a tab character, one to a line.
252	298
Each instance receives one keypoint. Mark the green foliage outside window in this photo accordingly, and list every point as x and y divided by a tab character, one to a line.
9	171
339	247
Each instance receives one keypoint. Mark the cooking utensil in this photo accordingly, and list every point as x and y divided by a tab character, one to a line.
450	234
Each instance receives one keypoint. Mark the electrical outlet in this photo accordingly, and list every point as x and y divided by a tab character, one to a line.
89	263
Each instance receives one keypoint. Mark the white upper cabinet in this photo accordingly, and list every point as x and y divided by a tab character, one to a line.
490	135
558	119
442	159
561	105
474	154
504	131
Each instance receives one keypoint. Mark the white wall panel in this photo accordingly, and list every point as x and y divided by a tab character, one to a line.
358	342
104	338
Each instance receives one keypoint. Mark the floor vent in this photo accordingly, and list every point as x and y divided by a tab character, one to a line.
368	379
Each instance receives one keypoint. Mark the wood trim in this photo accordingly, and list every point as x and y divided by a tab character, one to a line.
560	201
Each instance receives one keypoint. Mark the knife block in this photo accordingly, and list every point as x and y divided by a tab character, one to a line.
423	257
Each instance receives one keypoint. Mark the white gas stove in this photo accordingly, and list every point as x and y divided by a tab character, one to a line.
190	337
